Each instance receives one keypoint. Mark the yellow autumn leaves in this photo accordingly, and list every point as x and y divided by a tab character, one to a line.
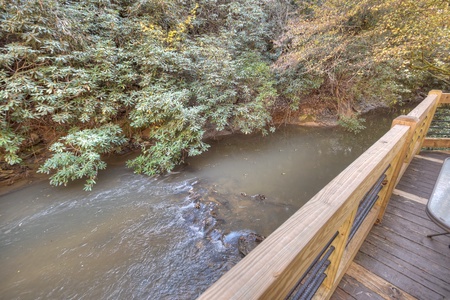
172	36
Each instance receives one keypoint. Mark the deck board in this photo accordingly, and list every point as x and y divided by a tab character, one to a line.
397	251
353	289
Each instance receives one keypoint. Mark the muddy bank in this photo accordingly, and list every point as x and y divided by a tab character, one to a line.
18	176
314	112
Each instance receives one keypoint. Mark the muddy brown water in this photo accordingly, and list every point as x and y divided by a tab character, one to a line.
135	237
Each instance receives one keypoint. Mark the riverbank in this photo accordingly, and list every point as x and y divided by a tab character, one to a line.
17	176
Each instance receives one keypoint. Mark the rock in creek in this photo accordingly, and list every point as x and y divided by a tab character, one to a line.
248	242
259	197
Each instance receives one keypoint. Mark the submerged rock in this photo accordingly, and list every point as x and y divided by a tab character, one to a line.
259	197
248	242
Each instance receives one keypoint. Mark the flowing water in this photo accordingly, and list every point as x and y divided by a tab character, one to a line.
135	237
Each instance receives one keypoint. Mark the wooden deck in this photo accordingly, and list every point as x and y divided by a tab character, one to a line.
397	260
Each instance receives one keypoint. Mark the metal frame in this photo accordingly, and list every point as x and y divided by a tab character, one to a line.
429	210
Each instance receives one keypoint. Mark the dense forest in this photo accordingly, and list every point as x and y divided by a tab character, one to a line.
91	77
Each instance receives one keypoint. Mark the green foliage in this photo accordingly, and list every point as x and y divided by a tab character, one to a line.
10	142
416	32
162	70
174	128
361	53
77	155
352	124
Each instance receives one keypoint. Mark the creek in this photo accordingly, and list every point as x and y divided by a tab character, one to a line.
170	237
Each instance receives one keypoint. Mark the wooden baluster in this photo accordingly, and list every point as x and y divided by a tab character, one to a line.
340	244
392	176
429	118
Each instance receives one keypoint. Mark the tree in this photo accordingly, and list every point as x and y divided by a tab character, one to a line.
150	74
351	54
417	32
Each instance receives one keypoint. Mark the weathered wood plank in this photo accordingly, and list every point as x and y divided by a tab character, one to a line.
413	246
414	189
424	223
424	177
427	172
411	211
409	230
355	290
414	263
410	206
388	274
445	98
439	161
397	250
420	178
421	182
340	294
442	155
377	284
414	276
410	196
413	186
422	171
436	142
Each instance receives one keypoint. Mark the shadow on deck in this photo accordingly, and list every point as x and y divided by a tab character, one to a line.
397	260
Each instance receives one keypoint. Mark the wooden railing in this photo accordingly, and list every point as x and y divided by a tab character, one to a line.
439	142
347	207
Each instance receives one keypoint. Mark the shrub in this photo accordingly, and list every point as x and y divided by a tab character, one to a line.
78	154
352	123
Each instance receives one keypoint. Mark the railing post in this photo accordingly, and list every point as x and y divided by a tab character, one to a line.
444	98
399	163
411	140
417	131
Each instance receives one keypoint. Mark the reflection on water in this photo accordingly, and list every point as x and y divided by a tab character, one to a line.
135	237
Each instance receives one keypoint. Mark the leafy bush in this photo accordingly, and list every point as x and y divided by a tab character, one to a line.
360	53
77	155
10	143
152	73
158	73
352	123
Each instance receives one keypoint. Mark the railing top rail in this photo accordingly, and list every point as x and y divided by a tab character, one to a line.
421	110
